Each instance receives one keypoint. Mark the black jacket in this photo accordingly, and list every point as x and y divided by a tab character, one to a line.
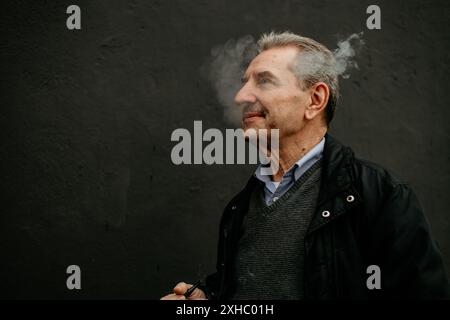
364	216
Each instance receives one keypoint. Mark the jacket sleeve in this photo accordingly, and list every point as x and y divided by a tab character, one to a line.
215	285
410	262
211	286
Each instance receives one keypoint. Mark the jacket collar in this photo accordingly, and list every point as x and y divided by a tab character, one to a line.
337	179
335	169
336	174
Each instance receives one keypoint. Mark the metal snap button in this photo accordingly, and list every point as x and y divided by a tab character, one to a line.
350	198
326	214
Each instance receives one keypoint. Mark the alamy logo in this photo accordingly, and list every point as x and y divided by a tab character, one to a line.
262	147
374	20
374	280
74	280
74	20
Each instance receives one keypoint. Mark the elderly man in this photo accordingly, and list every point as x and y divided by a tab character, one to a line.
327	224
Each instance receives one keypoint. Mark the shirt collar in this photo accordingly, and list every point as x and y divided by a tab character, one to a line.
309	159
299	167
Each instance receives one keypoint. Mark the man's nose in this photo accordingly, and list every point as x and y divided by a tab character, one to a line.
245	95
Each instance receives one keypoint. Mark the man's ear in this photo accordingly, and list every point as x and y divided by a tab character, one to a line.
319	98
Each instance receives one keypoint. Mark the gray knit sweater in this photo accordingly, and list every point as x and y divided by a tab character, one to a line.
270	259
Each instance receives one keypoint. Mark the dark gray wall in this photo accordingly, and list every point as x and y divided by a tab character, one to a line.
86	118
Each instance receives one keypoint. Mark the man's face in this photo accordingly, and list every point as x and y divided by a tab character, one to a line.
270	95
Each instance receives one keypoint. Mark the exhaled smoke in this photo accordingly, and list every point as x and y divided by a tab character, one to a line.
345	54
225	69
228	62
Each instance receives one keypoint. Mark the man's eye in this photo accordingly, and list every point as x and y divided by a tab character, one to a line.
264	80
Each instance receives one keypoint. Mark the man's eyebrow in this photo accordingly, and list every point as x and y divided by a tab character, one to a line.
244	79
267	74
259	75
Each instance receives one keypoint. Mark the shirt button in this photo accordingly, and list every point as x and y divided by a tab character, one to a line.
350	198
326	214
275	199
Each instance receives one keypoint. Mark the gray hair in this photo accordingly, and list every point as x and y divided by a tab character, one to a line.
315	64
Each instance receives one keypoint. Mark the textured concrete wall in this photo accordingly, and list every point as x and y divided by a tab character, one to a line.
86	118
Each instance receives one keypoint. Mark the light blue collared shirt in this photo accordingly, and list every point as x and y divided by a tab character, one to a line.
274	190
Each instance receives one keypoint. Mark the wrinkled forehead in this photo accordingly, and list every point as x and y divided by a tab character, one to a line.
275	60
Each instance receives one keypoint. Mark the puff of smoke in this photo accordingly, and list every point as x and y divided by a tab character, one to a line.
345	54
224	70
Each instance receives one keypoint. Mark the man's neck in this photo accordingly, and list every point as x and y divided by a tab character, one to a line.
295	147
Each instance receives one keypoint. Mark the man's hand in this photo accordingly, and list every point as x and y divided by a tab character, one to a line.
180	289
